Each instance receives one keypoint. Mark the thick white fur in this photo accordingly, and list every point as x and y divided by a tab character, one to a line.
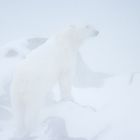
51	63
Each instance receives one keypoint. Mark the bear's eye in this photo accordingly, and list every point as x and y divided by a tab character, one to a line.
87	26
11	53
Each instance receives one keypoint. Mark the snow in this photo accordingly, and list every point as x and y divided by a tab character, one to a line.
116	115
108	92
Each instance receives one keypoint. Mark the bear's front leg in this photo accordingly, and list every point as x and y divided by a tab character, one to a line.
65	84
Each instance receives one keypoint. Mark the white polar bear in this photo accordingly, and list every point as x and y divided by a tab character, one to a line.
54	62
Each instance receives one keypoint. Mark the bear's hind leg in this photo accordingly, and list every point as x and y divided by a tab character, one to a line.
33	116
19	118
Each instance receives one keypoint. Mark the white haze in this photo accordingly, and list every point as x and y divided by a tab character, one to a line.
115	52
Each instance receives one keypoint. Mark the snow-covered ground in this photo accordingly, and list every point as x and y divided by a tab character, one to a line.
107	112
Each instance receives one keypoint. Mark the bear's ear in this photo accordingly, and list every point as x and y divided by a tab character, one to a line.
72	26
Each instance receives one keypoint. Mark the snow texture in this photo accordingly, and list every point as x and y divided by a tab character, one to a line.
116	102
54	62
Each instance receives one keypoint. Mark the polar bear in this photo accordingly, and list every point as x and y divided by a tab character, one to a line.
54	62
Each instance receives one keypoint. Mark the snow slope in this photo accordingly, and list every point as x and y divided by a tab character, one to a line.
110	112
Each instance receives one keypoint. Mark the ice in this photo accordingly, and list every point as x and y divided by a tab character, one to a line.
117	115
105	109
11	55
110	83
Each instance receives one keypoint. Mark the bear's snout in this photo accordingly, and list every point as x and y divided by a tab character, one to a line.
96	32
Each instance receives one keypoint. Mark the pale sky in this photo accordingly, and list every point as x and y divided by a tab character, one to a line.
115	50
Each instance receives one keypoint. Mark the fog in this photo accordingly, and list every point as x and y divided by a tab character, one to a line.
117	21
113	59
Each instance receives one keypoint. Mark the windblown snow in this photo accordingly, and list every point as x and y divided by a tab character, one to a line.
115	99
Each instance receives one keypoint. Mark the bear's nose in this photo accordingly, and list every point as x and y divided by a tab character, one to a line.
97	32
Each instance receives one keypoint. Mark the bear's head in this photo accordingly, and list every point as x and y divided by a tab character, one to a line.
77	34
87	31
